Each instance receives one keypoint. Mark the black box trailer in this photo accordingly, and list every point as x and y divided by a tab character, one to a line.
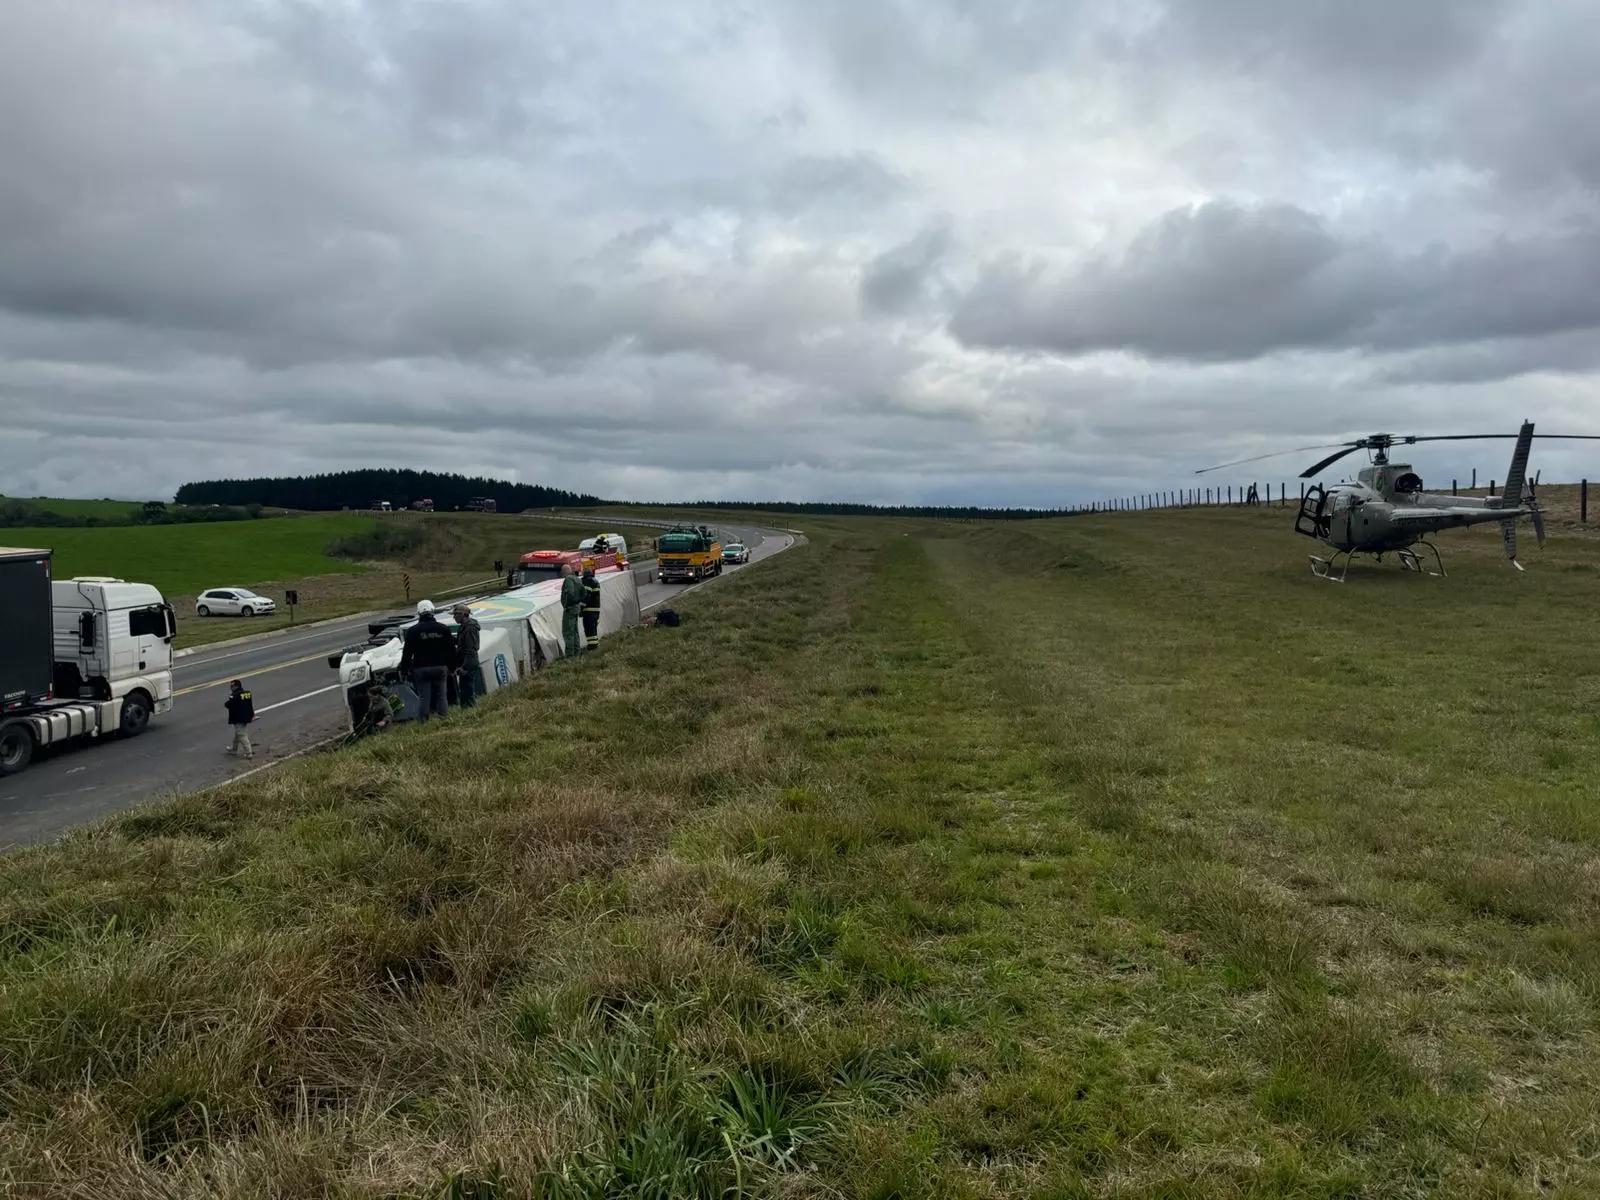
27	650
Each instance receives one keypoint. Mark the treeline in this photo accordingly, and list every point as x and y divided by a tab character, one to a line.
363	489
25	514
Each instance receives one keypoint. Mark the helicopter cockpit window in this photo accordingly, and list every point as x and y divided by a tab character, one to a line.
1341	501
1408	482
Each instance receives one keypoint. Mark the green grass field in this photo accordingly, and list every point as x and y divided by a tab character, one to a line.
185	559
1103	857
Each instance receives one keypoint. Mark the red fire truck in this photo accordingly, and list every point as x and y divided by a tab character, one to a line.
542	564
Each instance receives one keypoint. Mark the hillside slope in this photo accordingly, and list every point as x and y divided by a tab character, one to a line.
1106	857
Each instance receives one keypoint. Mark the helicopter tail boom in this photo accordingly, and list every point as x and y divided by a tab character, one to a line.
1517	472
1512	496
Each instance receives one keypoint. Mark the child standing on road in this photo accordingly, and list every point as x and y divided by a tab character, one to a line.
241	711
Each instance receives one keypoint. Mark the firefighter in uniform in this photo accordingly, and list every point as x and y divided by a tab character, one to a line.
571	609
591	606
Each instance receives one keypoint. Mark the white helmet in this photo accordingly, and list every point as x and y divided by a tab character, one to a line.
424	606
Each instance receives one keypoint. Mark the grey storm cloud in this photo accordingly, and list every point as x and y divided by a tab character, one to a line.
899	277
1222	281
890	252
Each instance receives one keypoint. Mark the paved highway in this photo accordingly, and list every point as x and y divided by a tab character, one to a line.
298	705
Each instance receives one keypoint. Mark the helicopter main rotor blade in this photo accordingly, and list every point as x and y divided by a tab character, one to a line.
1469	437
1384	441
1274	454
1332	458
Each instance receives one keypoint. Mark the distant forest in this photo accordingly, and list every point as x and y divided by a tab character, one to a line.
362	489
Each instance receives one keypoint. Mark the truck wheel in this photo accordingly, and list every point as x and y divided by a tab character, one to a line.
135	714
16	747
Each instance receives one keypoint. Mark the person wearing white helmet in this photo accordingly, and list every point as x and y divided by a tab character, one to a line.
428	657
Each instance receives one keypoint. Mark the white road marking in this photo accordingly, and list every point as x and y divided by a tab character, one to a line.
275	762
293	662
332	687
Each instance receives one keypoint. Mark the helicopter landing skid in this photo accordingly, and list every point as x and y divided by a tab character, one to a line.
1322	568
1412	561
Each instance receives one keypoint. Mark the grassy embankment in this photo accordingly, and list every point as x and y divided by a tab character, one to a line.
1108	857
439	551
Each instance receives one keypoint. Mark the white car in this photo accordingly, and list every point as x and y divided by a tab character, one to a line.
232	602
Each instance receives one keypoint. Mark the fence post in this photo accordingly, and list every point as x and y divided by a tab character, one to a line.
1453	491
1491	487
1230	493
1474	478
1583	501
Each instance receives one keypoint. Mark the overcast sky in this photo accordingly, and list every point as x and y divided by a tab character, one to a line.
927	251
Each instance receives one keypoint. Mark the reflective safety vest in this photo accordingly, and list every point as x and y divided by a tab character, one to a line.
591	594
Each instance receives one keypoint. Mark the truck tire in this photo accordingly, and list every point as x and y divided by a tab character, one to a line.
16	747
135	714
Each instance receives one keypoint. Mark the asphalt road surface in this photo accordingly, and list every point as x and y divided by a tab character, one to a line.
298	705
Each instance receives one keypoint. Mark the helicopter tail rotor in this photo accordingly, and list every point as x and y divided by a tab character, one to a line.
1531	503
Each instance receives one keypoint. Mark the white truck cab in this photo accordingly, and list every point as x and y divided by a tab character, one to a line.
81	659
113	641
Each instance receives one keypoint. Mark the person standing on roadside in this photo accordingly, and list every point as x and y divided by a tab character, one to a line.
428	657
241	711
467	638
571	609
591	606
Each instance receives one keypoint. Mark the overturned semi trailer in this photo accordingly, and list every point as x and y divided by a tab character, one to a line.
520	631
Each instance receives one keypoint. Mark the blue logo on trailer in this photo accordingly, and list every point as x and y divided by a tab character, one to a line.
502	676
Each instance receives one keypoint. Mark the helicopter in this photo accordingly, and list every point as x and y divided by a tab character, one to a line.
1385	510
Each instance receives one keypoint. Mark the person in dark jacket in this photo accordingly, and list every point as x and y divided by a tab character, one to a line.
571	610
591	606
428	658
241	711
468	635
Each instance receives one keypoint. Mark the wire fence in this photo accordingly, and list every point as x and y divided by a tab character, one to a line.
1250	495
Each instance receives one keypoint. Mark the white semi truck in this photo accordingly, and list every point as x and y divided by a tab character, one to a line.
86	657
